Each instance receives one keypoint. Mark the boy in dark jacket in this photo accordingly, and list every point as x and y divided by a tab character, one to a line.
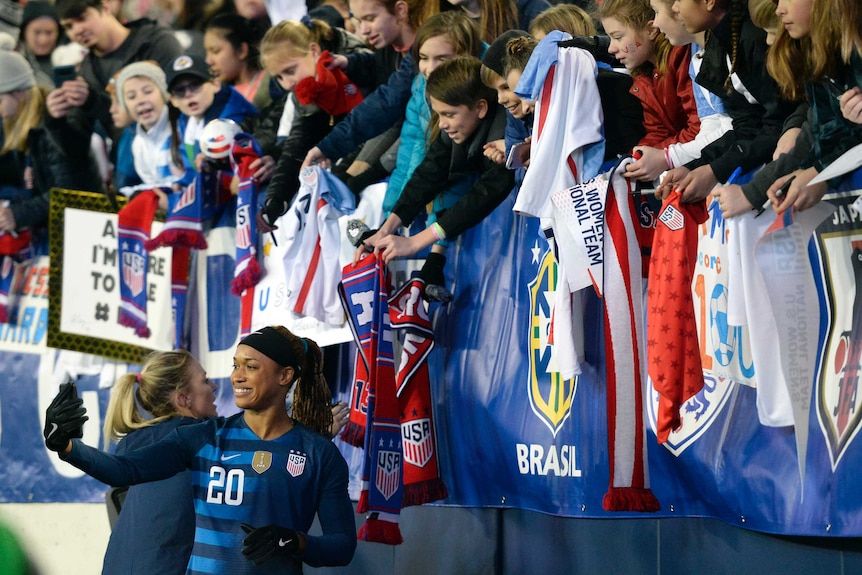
468	117
112	45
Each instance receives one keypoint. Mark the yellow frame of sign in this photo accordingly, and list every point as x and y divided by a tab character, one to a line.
61	200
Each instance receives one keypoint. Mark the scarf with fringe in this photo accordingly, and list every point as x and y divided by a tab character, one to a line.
624	366
408	313
364	292
247	272
134	223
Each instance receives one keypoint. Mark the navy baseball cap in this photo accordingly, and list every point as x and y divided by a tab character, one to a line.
187	65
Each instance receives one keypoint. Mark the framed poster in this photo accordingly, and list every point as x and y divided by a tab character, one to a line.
84	286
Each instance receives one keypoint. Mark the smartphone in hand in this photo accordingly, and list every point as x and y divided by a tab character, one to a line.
518	154
64	74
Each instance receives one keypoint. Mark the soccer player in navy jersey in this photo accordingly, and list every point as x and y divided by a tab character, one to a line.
259	477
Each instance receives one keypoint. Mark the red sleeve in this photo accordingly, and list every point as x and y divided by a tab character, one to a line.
670	115
656	127
678	65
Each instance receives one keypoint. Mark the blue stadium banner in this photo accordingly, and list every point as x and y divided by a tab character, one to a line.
769	445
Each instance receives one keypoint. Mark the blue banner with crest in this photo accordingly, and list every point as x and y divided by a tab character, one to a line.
511	431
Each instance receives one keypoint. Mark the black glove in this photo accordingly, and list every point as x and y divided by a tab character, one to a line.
64	418
264	543
271	210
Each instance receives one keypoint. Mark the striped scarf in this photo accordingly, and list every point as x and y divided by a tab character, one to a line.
247	272
364	292
623	319
15	248
135	221
408	313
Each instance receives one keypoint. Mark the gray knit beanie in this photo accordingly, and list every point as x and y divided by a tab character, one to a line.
146	70
15	73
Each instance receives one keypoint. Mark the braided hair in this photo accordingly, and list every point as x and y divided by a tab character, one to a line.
312	399
738	11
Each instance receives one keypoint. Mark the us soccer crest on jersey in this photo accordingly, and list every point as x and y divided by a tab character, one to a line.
296	463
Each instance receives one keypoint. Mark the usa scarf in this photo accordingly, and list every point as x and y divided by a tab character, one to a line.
15	248
247	272
408	313
623	319
673	353
184	224
134	222
355	281
364	293
180	271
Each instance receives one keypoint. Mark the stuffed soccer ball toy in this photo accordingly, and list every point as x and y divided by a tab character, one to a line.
217	138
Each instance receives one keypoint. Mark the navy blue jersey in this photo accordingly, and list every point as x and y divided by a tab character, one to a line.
156	526
240	478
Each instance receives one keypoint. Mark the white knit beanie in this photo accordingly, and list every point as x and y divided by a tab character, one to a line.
7	41
15	73
146	70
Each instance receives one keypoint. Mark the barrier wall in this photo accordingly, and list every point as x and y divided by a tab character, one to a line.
511	433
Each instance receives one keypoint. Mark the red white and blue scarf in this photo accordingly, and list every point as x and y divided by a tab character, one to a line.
247	272
15	248
624	366
135	222
364	292
408	313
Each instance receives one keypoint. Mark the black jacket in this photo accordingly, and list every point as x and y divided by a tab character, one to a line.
824	136
146	41
370	69
60	158
756	126
447	163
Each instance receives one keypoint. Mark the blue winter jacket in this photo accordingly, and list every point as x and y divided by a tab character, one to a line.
414	142
376	114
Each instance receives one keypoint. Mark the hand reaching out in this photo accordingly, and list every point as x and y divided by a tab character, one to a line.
315	156
697	184
649	166
64	419
851	105
800	195
731	200
340	417
669	182
496	151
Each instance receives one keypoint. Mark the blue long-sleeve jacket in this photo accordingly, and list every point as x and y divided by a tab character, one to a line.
239	478
376	114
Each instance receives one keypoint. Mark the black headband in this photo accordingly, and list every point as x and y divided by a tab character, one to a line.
273	344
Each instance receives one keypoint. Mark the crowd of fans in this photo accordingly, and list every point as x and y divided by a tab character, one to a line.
742	102
433	96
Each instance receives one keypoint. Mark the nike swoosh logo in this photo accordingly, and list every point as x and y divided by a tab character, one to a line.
282	542
54	427
229	457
